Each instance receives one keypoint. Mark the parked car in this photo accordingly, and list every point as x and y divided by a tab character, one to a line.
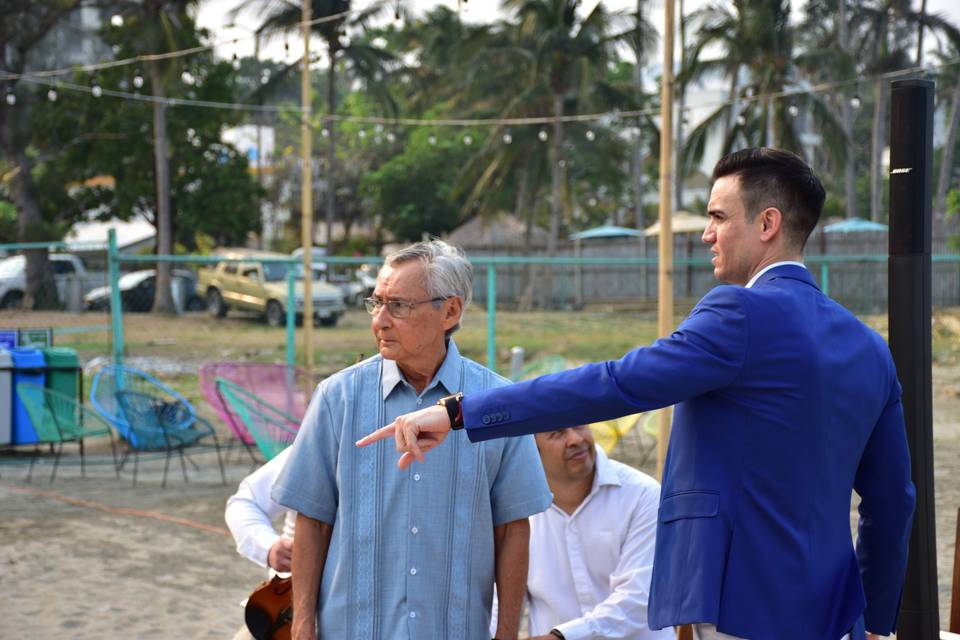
70	274
137	290
252	285
352	288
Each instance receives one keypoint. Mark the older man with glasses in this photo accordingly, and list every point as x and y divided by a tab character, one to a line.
379	554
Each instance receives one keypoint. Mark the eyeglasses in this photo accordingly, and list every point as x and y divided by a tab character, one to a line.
397	308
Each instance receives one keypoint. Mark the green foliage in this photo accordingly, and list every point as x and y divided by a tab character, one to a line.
8	221
412	192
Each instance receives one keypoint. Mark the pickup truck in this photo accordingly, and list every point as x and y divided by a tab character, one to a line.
261	287
72	278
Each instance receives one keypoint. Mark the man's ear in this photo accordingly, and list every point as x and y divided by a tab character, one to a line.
771	221
454	311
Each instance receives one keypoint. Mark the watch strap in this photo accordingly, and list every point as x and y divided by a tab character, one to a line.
454	410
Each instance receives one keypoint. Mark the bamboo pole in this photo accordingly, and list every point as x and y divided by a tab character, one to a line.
665	273
306	189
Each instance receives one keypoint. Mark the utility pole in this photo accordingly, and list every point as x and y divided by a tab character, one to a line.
306	188
665	274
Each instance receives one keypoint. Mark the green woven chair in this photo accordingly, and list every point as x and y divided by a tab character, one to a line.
59	418
272	429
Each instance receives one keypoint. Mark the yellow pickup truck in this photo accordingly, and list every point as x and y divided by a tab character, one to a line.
253	285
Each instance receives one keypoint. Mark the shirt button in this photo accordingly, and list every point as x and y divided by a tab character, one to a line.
413	571
419	401
416	477
413	614
414	530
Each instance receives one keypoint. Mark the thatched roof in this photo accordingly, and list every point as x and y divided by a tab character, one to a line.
503	232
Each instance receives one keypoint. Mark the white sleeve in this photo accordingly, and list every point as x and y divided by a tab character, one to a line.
624	612
251	511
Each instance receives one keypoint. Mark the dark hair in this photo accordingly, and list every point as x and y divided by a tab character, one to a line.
776	178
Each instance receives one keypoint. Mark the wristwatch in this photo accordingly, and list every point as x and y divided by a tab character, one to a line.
454	411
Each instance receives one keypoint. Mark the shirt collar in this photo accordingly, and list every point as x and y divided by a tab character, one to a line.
605	474
757	275
448	375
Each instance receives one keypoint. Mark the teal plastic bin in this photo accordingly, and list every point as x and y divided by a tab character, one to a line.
63	370
6	397
28	366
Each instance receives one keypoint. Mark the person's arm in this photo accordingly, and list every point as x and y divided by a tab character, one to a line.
250	514
512	554
887	499
623	614
310	546
705	353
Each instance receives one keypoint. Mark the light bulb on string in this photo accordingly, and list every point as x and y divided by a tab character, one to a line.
52	94
432	140
391	137
542	135
235	62
137	79
561	163
95	90
468	140
856	102
507	138
11	97
741	120
187	78
325	132
793	110
116	20
590	135
592	201
362	134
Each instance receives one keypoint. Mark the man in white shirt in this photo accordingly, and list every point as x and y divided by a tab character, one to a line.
250	515
591	551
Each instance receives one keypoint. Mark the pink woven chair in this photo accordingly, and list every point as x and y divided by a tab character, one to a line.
286	388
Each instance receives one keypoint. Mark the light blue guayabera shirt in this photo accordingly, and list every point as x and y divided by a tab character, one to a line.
412	552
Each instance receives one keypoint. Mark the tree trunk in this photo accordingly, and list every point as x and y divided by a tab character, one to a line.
555	175
732	112
679	171
638	186
162	299
846	117
41	290
331	149
876	150
946	162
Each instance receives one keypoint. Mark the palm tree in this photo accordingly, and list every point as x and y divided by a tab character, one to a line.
158	26
756	41
948	85
569	55
367	61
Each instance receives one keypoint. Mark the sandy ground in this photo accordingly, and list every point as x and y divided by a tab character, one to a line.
95	557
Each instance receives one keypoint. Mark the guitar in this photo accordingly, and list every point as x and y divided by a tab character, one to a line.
269	610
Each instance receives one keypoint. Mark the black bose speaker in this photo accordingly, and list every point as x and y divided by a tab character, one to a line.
909	310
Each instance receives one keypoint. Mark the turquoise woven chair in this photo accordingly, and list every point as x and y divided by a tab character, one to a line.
58	419
151	417
272	429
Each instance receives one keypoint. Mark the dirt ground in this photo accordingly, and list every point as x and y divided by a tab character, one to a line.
96	557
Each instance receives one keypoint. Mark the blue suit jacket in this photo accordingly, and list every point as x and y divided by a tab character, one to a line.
787	402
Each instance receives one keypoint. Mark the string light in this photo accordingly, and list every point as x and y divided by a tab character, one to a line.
793	110
235	63
325	132
137	79
468	140
507	138
11	97
741	119
52	95
95	89
116	20
187	78
362	134
856	102
432	140
391	137
543	135
590	135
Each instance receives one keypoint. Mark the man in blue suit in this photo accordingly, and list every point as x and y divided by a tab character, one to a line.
785	403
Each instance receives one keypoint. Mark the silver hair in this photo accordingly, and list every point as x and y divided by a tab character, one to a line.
447	272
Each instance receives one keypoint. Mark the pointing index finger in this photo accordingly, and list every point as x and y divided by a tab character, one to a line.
380	434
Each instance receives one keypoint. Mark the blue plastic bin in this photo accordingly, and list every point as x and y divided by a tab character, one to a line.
28	366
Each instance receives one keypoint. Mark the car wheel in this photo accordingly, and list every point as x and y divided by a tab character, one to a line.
329	321
358	300
275	315
195	303
215	305
12	300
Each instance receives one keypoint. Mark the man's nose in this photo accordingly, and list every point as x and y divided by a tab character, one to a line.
708	234
380	319
574	438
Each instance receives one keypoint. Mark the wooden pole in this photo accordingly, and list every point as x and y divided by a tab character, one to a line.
665	274
955	590
306	188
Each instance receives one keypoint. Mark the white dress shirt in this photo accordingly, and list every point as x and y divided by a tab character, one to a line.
251	511
590	571
757	275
